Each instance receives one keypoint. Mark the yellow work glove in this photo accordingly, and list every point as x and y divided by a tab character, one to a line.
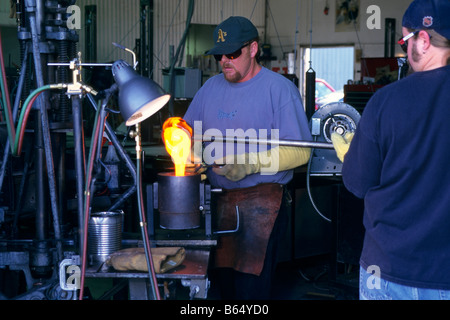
196	169
134	259
341	143
237	167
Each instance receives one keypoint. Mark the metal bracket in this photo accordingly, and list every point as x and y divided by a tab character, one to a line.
237	224
197	288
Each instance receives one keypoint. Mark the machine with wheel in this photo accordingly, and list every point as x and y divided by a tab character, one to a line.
336	117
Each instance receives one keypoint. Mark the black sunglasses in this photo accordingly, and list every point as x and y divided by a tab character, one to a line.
403	42
233	55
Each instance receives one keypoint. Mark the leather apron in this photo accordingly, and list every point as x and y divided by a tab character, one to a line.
258	208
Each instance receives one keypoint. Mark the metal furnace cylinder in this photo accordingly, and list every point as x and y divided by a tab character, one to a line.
104	234
179	201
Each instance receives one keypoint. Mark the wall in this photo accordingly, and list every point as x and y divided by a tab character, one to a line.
283	20
277	21
117	21
170	18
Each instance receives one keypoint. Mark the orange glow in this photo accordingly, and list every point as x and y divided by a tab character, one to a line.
177	135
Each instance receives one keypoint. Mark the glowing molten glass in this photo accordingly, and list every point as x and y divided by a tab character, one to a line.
177	138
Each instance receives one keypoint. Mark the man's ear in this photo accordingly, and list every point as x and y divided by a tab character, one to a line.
424	39
254	48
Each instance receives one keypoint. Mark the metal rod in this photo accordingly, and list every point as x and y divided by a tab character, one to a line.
290	143
143	222
237	224
46	135
122	153
41	194
63	64
79	162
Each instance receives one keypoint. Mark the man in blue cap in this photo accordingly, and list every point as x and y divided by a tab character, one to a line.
248	100
397	161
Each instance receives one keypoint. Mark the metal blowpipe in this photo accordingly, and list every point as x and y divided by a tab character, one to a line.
291	143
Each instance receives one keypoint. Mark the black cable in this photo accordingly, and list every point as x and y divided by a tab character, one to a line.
308	173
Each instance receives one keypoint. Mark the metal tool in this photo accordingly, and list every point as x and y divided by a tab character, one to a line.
273	142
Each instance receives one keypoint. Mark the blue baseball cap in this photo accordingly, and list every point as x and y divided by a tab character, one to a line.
428	14
232	34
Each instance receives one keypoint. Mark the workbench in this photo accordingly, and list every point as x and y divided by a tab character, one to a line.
192	273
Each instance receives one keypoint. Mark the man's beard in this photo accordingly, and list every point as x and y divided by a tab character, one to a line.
236	77
415	56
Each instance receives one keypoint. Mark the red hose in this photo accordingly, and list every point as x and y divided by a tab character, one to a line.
22	129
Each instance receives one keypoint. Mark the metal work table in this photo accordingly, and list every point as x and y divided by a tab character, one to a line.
192	273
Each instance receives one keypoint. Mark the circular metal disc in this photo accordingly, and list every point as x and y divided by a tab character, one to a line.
336	117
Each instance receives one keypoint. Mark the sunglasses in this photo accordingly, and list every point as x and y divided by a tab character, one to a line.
233	55
403	42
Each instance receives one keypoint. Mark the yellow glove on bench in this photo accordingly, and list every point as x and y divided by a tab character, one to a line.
237	167
134	259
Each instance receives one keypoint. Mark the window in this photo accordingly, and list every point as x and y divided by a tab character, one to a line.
334	66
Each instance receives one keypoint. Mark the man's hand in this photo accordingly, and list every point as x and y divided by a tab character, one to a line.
196	169
341	143
237	167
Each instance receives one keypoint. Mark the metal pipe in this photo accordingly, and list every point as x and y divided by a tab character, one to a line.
46	135
39	17
4	163
79	162
40	189
143	223
87	199
39	256
83	64
23	71
20	199
61	151
122	154
290	143
102	120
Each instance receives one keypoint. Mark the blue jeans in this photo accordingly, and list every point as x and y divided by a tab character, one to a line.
372	287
